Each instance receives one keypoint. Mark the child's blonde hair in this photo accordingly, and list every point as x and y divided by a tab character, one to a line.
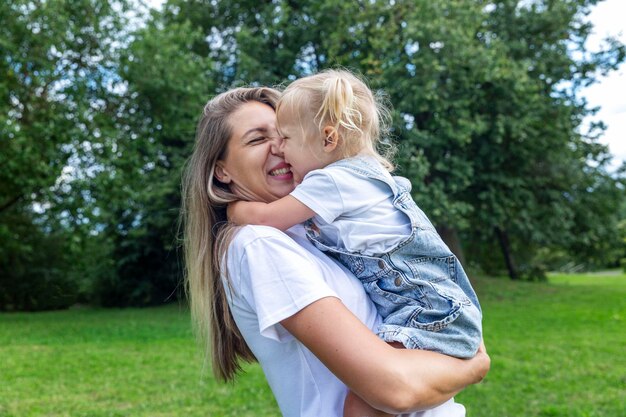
341	100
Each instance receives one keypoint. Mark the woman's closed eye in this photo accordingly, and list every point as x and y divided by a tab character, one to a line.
257	140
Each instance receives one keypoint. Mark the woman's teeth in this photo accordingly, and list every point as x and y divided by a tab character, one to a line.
280	171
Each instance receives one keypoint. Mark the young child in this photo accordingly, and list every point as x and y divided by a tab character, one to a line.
364	217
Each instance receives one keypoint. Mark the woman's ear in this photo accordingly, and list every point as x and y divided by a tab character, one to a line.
221	174
331	138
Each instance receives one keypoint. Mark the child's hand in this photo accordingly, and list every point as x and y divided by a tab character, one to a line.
235	212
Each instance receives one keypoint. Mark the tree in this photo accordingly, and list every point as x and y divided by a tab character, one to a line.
487	112
488	117
55	63
99	116
534	191
165	85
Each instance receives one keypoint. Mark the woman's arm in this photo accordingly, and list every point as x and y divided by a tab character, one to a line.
389	379
282	214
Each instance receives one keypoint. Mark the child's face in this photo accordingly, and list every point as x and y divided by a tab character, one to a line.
303	145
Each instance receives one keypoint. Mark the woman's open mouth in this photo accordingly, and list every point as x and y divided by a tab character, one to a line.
280	170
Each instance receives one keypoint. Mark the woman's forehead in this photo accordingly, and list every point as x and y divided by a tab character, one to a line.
253	117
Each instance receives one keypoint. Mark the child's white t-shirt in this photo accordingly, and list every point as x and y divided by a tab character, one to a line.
273	276
353	212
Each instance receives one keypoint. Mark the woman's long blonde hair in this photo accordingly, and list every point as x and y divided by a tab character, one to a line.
207	232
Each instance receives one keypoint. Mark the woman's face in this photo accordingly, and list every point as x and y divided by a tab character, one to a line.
254	168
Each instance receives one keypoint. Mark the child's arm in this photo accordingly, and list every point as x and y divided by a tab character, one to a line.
281	214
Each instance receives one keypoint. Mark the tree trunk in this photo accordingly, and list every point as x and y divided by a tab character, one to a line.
7	204
503	238
451	238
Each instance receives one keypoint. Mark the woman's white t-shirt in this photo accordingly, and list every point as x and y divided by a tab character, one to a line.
273	275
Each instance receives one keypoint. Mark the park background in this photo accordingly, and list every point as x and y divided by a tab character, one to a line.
505	152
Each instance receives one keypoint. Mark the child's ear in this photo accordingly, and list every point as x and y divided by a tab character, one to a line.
331	138
221	174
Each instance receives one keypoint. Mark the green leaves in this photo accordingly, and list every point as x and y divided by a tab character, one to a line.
99	112
57	58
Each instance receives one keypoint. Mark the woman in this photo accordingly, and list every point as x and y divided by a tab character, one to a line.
258	293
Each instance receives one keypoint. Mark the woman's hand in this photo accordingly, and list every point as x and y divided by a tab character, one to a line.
482	363
355	406
391	380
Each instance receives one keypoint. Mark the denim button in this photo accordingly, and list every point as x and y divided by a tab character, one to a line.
398	281
381	264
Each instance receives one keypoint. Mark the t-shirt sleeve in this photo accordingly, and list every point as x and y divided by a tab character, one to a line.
332	192
319	192
276	278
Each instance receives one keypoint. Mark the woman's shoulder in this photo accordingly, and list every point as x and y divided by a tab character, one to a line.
252	232
255	238
261	259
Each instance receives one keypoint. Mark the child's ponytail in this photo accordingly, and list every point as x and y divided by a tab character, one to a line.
339	105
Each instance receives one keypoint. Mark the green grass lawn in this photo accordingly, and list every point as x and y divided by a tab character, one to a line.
557	349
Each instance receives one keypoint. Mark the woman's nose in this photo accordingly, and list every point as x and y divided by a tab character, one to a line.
276	144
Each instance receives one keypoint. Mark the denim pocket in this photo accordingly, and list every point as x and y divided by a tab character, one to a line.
395	308
439	275
432	269
388	296
445	306
434	321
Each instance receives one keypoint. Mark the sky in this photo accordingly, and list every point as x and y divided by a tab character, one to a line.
610	92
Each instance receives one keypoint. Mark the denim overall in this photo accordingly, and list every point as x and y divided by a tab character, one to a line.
419	287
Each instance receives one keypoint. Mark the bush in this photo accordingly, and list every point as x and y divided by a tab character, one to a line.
34	268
